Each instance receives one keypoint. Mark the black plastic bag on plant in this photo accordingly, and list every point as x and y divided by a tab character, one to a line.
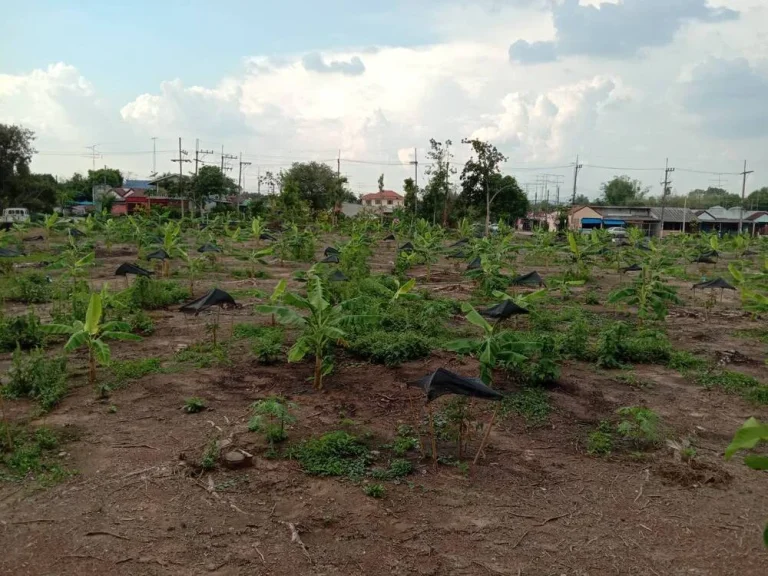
330	250
208	247
476	264
127	268
9	253
458	255
633	268
442	382
33	239
75	233
265	236
704	260
407	248
530	279
338	276
158	255
215	297
712	284
330	259
504	310
462	242
390	238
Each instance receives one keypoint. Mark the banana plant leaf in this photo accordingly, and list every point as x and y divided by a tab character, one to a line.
75	233
462	242
9	253
530	279
633	268
712	284
442	381
476	264
215	297
127	268
158	255
338	276
504	310
390	238
407	248
330	259
208	247
330	250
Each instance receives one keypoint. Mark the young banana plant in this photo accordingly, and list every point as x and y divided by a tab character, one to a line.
92	335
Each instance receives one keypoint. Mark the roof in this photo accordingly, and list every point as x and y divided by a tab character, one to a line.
137	184
675	214
383	195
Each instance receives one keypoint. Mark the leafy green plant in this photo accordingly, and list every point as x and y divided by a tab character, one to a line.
748	438
150	294
29	453
640	426
124	371
270	417
204	355
649	293
92	335
323	326
405	440
30	288
683	361
194	405
210	455
374	490
23	332
532	403
333	454
600	441
35	376
734	383
391	348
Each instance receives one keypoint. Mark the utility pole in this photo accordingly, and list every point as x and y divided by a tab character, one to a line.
338	165
93	155
666	184
577	167
258	180
743	192
415	163
226	157
240	179
154	156
181	161
199	153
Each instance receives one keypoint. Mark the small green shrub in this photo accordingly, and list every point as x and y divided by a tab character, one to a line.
31	454
531	403
123	371
617	344
574	342
591	298
405	440
683	361
204	355
270	416
391	348
732	382
640	426
140	323
35	376
374	490
398	468
150	294
333	454
30	288
247	331
210	455
600	442
21	332
194	405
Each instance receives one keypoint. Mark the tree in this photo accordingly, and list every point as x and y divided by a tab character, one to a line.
109	176
511	202
381	183
16	153
411	195
758	200
477	174
437	191
210	182
317	184
582	200
623	191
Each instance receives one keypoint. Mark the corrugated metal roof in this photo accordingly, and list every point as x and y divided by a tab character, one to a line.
675	214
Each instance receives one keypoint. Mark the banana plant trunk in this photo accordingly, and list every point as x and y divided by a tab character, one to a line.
91	367
319	371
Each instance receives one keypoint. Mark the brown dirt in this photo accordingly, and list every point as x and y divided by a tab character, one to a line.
537	503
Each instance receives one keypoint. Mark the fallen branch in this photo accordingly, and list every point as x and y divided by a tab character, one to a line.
105	533
135	446
546	521
296	538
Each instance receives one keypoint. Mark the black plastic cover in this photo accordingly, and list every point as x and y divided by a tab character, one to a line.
504	310
530	279
215	297
158	255
712	284
127	268
442	381
208	247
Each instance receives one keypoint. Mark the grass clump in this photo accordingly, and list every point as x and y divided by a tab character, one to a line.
140	323
210	455
733	382
203	355
639	426
530	403
150	294
26	453
618	344
600	441
333	454
31	288
194	405
123	371
374	490
405	440
398	468
270	417
684	361
35	376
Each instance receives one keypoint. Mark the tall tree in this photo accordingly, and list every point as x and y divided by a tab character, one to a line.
317	184
437	191
381	183
411	195
623	191
758	200
16	153
478	172
210	182
510	201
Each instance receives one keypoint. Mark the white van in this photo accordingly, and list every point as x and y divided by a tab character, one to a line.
13	215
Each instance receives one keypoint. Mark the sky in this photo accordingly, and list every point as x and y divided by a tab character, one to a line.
622	84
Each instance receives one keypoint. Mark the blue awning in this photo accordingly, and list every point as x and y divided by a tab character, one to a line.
613	222
596	221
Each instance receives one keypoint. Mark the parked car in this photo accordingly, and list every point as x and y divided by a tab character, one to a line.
12	216
617	232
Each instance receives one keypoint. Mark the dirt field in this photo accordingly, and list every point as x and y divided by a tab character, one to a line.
536	504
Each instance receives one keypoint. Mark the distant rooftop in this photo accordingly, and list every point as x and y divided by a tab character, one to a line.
137	184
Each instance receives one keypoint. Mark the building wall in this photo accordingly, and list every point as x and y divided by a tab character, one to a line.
574	220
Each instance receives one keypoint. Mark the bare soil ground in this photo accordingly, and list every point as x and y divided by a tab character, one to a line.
536	504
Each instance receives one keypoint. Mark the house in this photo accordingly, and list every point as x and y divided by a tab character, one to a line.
726	220
646	218
128	201
386	201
